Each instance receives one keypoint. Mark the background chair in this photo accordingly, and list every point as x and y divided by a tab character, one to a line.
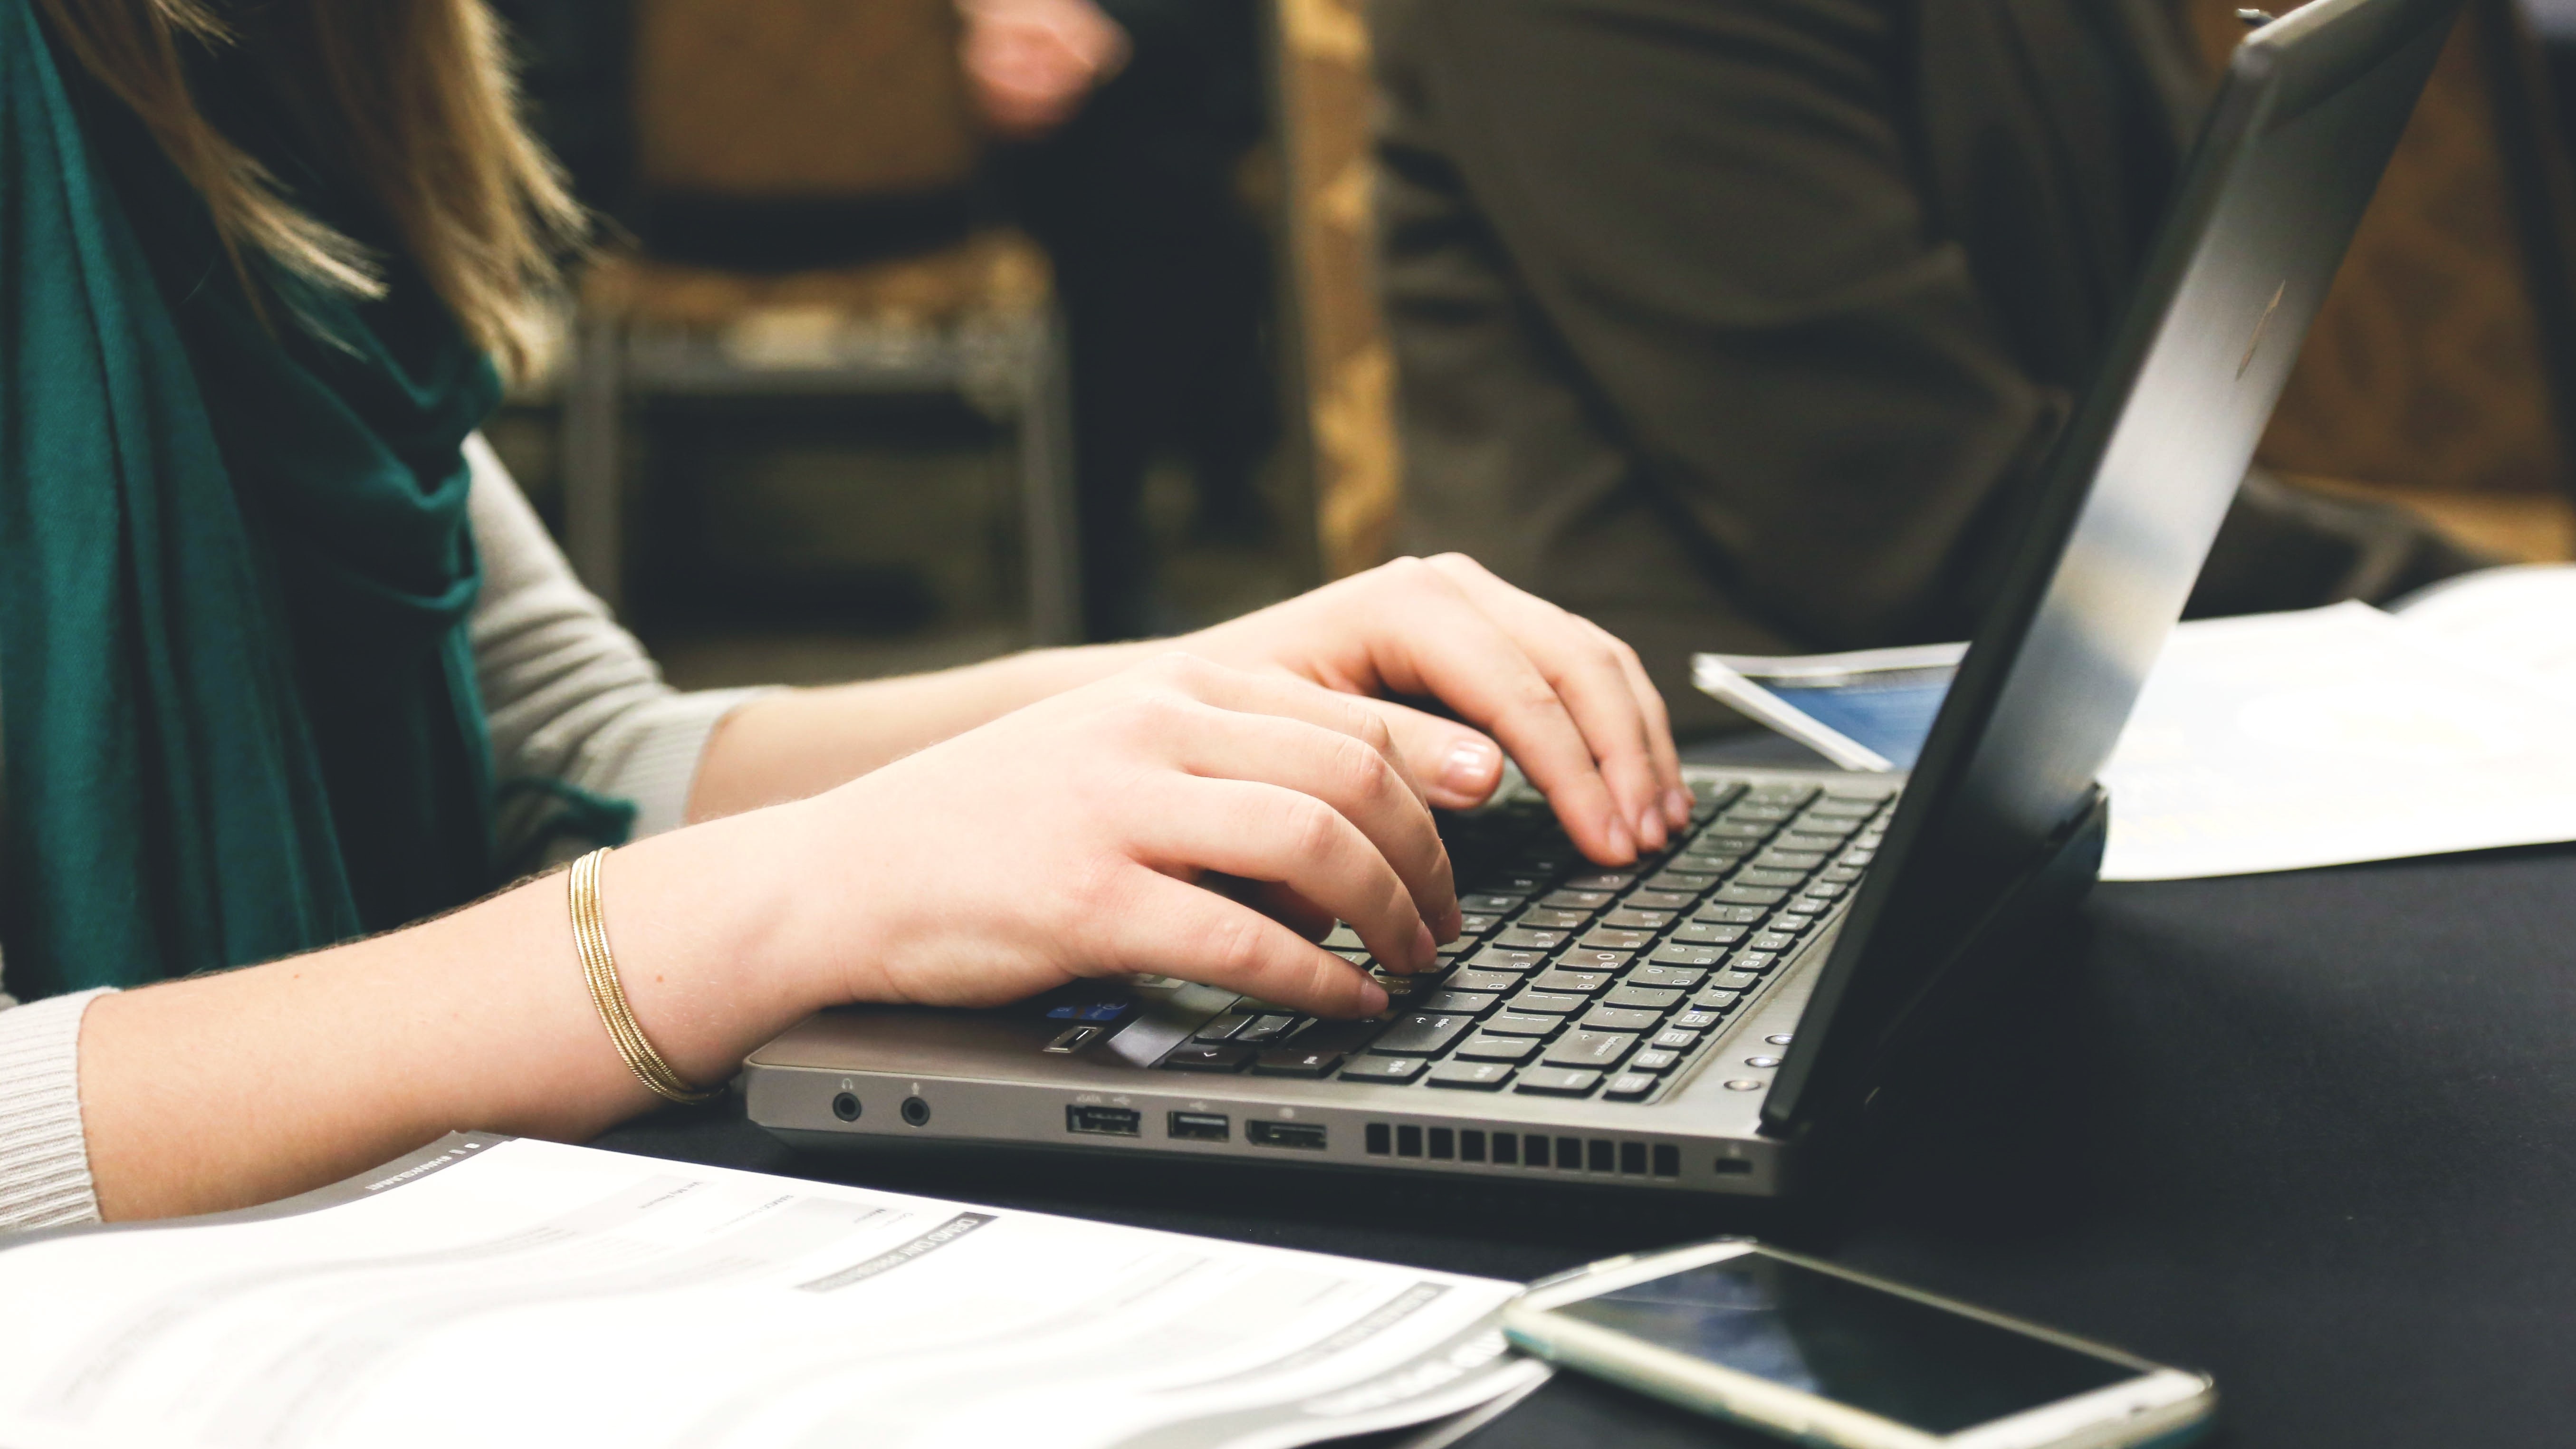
805	223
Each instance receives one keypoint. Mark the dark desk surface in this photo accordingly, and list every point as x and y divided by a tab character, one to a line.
2314	1133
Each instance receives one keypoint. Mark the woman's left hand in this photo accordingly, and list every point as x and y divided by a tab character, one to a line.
1568	700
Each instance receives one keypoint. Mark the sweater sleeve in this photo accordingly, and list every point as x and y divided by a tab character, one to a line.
572	699
44	1159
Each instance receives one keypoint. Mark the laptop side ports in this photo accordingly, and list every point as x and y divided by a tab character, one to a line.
1307	1135
1105	1121
1200	1126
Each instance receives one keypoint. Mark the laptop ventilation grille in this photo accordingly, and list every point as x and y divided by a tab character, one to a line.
1525	1149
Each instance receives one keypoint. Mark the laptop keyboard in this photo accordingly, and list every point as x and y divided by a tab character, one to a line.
1569	980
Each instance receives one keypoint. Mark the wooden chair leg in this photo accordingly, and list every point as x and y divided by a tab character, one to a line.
594	512
1051	539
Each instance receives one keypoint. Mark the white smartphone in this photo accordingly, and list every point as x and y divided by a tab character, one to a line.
1824	1355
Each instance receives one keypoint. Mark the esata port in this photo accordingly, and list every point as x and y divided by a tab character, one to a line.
1104	1121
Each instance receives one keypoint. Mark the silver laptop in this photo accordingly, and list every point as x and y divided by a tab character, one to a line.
1696	1023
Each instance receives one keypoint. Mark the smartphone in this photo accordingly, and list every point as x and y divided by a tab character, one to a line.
1824	1355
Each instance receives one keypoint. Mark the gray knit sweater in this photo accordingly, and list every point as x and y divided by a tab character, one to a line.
571	696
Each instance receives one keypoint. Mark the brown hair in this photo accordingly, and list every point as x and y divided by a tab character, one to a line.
411	98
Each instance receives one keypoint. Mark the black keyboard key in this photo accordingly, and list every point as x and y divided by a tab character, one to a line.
1382	1069
1558	1082
1840	874
1630	1087
1745	830
1490	904
1604	938
1781	878
1421	1034
1798	860
1490	1048
1824	890
1208	1059
1652	1059
1655	900
1521	938
1262	1029
1472	925
1471	1076
1679	978
1513	959
1620	1018
1772	941
1627	920
1586	958
1718	999
1523	1023
1224	1026
1549	1003
1474	979
1800	840
1719	913
1674	1039
1848	809
1858	856
1295	1062
1643	998
1517	884
1695	1020
1576	900
1539	918
1708	933
1582	983
1744	895
1472	1003
1338	1036
1735	980
1783	792
1690	884
1601	880
1683	953
1589	1049
1756	961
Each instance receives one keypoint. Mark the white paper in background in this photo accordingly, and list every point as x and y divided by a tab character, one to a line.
2284	741
2521	618
547	1295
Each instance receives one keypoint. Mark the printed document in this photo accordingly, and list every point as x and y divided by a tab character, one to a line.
501	1292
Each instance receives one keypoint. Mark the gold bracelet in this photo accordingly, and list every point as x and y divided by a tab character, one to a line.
599	968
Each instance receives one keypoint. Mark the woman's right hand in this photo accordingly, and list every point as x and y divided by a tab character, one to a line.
1080	836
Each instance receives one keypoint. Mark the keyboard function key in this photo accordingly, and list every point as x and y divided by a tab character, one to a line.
1392	1070
1589	1049
1295	1062
1643	998
1558	1082
1470	1076
1629	1087
1549	1003
1208	1059
1620	1018
1421	1034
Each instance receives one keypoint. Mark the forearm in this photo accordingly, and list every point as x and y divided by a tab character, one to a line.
242	1087
796	743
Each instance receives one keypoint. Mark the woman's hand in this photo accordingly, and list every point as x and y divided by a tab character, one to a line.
1076	837
1569	701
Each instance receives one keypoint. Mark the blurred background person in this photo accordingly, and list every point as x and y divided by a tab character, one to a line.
1743	327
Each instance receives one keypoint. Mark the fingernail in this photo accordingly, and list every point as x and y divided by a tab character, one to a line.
1470	768
1677	806
1426	951
1650	829
1372	998
1620	841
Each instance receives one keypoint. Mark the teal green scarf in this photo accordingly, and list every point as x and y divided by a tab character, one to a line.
237	705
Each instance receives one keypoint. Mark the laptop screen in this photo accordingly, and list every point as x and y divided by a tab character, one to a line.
2289	156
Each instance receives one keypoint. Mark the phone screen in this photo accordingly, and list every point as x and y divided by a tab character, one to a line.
1921	1366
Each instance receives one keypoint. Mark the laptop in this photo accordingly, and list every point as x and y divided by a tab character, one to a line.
1698	1022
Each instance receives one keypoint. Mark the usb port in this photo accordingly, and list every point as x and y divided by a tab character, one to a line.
1284	1134
1104	1121
1202	1126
